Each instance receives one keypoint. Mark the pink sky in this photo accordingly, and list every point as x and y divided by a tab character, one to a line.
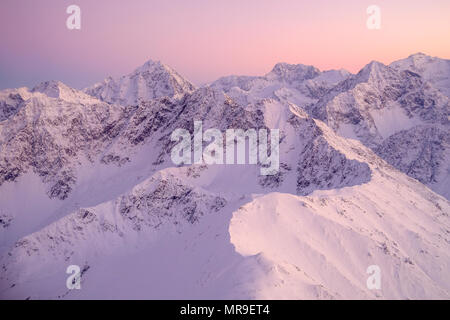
206	39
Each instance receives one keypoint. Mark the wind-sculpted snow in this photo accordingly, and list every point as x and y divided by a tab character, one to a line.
319	246
159	203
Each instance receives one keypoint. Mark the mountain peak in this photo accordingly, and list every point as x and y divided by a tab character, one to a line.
417	62
150	81
58	90
373	71
151	65
419	55
420	59
374	65
292	72
51	88
433	69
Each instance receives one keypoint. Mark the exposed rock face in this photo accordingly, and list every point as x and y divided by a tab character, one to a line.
11	101
421	152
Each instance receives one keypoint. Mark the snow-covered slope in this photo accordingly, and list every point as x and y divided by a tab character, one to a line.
151	80
102	192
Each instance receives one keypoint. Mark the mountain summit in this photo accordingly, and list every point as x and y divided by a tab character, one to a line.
432	69
151	80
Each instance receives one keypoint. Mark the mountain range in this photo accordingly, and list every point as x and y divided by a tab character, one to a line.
86	179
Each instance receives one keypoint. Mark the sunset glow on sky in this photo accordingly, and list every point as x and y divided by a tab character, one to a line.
206	39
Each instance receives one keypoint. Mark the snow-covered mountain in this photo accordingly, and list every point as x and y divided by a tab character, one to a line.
382	106
378	106
299	84
151	80
432	69
102	192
